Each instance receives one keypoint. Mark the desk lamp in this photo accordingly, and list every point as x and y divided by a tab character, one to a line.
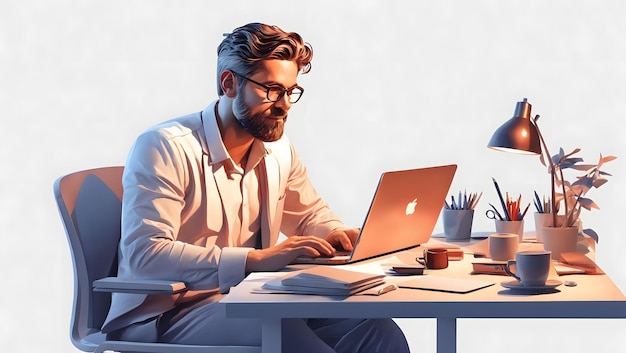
521	134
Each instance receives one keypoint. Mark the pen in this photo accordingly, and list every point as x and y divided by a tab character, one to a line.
387	289
538	204
461	201
524	213
495	183
475	202
465	202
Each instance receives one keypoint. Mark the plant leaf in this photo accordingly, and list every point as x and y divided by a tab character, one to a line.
556	159
592	234
583	167
583	184
576	150
606	159
587	204
599	182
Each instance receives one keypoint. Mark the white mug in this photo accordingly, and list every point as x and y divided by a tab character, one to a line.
503	246
530	268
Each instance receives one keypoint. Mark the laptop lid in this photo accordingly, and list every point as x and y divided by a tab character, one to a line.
404	210
402	214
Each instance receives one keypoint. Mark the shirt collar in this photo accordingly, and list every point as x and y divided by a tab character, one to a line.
217	151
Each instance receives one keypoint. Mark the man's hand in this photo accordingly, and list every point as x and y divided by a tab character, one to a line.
280	255
343	238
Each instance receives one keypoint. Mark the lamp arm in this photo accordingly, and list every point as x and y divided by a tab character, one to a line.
552	171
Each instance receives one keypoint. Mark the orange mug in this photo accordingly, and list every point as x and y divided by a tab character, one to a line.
435	258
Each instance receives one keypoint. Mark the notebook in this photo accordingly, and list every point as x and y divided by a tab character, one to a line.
402	214
324	280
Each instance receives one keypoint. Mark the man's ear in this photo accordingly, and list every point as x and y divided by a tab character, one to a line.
228	82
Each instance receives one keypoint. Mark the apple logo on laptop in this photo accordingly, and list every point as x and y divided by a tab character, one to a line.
410	207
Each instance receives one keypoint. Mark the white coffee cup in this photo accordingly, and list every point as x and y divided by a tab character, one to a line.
503	246
531	268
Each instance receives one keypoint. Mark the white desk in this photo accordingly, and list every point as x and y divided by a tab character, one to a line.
595	296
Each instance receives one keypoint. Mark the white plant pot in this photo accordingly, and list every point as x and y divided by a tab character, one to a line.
543	220
560	240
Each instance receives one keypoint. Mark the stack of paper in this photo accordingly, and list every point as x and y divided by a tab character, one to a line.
324	280
581	262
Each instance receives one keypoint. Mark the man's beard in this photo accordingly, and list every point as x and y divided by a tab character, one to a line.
266	126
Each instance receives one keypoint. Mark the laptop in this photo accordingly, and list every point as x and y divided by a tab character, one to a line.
402	214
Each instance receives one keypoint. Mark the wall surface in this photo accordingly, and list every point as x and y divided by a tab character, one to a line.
394	84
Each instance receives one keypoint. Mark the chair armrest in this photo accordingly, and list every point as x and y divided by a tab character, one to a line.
138	286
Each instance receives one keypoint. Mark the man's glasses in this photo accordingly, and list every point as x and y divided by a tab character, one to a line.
276	93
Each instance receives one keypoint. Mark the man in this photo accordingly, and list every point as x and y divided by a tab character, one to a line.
205	197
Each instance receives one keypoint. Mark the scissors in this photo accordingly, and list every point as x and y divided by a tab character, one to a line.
493	213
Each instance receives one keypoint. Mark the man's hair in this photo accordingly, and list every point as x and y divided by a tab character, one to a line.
243	50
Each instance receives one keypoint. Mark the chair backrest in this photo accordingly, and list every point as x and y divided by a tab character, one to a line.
91	209
90	206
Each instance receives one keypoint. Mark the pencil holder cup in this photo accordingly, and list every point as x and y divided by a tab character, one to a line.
515	227
457	224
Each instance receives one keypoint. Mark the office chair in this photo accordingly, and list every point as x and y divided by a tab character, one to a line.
90	207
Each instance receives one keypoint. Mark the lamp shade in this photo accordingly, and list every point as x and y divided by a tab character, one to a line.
519	134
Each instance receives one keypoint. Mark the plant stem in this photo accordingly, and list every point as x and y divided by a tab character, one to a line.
552	171
567	215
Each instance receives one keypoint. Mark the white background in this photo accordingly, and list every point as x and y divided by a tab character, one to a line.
394	84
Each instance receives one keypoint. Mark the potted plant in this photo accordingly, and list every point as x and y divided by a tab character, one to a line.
573	196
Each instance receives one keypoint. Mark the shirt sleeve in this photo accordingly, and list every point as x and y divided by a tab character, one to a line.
232	267
156	180
305	212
